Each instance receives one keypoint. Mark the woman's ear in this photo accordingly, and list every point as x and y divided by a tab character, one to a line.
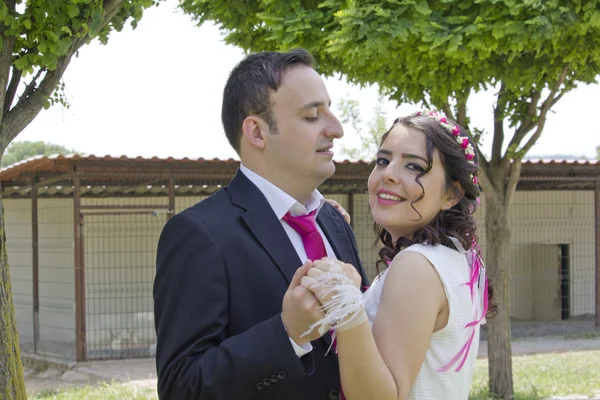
252	131
454	195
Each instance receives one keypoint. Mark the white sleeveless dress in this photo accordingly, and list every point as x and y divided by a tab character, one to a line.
438	378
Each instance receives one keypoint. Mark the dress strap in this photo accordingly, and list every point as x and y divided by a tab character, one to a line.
458	245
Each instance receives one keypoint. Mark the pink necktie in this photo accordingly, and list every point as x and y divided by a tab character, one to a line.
306	226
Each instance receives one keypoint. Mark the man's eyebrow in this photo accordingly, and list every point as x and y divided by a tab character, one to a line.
384	152
314	104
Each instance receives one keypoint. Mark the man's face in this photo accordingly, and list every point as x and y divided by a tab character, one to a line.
301	149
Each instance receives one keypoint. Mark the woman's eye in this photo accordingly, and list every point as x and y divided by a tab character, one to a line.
381	161
311	119
415	167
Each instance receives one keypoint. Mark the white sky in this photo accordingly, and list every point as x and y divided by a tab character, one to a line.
156	91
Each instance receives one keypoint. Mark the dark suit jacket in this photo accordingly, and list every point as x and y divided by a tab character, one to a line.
223	267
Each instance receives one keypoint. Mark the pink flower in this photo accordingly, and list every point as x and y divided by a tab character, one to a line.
443	120
475	180
465	143
478	200
455	131
470	157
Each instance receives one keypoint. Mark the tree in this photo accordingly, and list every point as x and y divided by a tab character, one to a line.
438	53
597	152
376	127
38	39
18	151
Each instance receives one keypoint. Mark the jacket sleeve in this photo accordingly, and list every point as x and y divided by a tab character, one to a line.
195	358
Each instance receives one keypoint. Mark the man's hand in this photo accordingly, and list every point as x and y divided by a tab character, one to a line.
340	209
301	309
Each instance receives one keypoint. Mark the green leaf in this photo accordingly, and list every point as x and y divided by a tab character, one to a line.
27	23
72	10
96	23
21	63
422	8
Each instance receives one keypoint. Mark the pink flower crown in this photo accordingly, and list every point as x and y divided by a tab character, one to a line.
462	141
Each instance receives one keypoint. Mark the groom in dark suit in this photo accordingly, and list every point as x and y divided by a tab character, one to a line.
230	312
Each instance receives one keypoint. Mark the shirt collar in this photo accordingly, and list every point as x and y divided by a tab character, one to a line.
280	201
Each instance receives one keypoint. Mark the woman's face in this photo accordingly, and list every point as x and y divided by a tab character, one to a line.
394	192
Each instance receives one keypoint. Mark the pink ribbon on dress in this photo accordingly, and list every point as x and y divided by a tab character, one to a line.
476	269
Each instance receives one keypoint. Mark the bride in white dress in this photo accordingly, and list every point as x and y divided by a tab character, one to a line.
415	332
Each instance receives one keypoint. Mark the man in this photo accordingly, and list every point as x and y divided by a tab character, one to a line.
230	311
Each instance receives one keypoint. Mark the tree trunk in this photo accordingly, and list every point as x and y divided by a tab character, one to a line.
12	385
498	328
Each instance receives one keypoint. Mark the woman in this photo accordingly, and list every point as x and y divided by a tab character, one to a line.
415	333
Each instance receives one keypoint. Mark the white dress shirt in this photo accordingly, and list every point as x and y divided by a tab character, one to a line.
281	203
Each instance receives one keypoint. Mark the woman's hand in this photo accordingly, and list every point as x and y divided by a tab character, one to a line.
341	209
328	273
327	264
337	286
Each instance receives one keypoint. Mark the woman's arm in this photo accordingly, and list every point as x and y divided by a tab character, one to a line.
383	363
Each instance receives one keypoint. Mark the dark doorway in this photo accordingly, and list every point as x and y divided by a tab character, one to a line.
565	282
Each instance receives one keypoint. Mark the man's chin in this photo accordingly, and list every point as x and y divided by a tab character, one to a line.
325	172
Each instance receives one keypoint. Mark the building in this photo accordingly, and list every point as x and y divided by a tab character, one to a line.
82	234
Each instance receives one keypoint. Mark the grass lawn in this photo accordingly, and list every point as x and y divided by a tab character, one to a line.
535	377
544	375
103	391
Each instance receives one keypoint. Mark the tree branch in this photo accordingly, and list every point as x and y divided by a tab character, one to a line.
22	114
499	110
426	103
546	106
557	98
448	111
513	180
461	105
31	87
6	53
528	124
484	176
11	91
111	8
484	164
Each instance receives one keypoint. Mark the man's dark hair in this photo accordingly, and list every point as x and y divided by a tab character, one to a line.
248	89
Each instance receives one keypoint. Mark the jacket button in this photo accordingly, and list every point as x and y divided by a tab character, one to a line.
281	375
260	386
267	382
274	379
334	395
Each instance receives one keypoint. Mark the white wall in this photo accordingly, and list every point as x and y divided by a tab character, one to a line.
544	217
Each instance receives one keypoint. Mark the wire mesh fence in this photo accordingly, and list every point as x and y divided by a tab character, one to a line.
83	266
43	287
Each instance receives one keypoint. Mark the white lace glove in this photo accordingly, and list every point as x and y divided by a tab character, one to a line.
337	286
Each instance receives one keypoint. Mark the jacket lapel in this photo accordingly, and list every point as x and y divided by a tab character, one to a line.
267	229
336	235
264	225
332	225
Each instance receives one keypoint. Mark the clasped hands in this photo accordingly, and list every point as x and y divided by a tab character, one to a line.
314	287
326	275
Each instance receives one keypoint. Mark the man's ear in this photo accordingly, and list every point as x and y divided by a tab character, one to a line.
453	195
253	129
